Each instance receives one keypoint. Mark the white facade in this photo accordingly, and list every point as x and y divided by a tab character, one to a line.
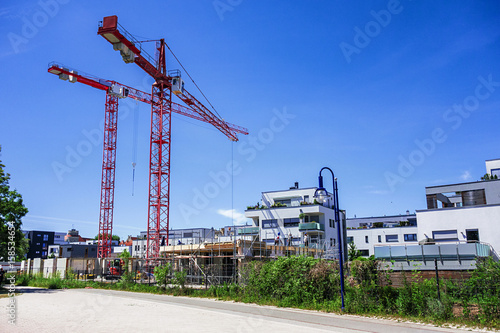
139	248
466	212
367	239
121	249
462	224
279	215
493	167
59	238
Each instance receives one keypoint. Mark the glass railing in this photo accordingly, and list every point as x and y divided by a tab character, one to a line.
444	252
311	226
248	230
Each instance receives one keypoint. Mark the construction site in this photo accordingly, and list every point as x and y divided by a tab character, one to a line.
205	264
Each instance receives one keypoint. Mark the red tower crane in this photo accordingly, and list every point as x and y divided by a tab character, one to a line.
160	139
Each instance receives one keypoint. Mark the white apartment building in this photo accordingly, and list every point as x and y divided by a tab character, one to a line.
295	212
369	232
465	212
458	226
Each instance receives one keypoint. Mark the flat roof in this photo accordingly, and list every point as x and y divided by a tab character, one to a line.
467	183
456	208
292	189
378	217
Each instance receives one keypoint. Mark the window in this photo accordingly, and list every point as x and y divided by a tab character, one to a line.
306	197
364	253
366	239
188	234
37	243
350	239
269	223
44	245
69	249
37	252
286	202
391	238
445	235
379	238
331	241
332	223
472	235
410	237
45	237
291	222
495	172
311	218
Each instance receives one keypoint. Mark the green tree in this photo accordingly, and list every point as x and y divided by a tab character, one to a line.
114	237
353	252
162	275
13	245
127	277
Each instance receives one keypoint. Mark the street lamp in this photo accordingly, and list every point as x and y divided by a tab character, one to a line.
321	195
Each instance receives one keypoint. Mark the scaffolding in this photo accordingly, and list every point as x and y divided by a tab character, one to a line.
218	262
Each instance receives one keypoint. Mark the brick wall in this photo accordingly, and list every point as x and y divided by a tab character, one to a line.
397	277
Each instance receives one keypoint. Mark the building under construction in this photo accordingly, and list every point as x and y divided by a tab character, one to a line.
219	262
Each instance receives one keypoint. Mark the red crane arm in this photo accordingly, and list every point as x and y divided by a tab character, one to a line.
207	115
66	73
124	42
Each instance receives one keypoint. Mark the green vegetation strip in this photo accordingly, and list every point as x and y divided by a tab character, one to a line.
307	283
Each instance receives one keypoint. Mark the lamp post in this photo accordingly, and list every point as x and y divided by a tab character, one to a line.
322	195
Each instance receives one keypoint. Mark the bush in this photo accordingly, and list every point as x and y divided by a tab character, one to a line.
162	275
23	279
180	278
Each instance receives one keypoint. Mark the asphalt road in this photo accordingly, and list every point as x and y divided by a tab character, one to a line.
94	310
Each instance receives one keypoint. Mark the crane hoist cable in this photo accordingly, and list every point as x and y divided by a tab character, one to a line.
134	144
185	70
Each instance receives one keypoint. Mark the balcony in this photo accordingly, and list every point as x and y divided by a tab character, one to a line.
248	230
311	226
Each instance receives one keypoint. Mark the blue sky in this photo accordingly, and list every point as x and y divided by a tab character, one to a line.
393	96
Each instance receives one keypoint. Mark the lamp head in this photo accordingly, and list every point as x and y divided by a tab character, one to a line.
320	194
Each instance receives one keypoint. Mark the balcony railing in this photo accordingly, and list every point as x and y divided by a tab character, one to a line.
311	226
248	230
442	252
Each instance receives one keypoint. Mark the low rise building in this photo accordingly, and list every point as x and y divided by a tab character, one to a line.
464	212
39	242
73	251
369	232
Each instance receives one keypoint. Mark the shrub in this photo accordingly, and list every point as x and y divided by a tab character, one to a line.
180	278
162	275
